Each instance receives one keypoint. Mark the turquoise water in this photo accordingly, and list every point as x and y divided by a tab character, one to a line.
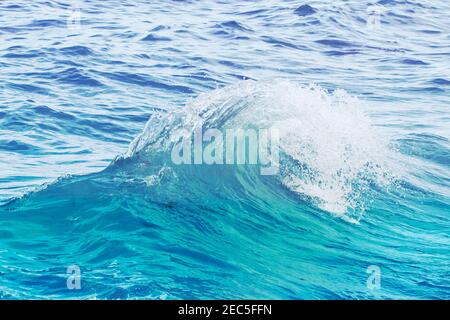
87	112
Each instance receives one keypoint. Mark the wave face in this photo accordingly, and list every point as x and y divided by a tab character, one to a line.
362	118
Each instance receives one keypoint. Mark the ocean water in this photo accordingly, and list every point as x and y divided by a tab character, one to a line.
91	91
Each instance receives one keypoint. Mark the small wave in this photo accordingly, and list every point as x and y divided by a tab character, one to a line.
154	38
230	25
414	62
47	23
440	81
76	51
305	10
75	76
336	43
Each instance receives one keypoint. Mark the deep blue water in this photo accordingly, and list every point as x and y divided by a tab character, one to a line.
363	113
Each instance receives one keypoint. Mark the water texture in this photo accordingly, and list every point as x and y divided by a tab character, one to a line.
91	92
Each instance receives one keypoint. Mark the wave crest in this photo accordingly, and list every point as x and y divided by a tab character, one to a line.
330	151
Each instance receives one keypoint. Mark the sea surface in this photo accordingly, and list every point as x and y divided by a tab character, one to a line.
90	92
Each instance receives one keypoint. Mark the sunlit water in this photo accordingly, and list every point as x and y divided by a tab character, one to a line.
359	92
